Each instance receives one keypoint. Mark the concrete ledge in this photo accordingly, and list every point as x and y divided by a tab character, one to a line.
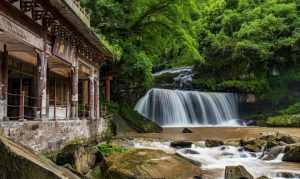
43	136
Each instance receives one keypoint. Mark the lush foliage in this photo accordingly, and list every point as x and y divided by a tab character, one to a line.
247	42
147	32
234	44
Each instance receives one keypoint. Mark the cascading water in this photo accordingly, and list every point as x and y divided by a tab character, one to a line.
188	108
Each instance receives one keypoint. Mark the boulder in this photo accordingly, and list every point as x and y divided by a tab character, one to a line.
292	153
287	175
254	145
181	144
135	121
146	163
80	157
287	139
186	130
237	172
267	142
272	153
263	177
19	162
233	142
213	143
190	151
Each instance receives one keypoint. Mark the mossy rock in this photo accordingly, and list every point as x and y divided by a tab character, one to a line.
165	80
19	162
146	163
292	153
213	143
137	121
181	144
267	142
79	157
237	172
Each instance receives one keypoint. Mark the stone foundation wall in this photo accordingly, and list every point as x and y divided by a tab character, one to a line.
43	136
3	109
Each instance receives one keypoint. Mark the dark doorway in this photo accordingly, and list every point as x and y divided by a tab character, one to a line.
21	95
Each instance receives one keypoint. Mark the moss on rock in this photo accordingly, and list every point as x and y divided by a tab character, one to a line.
18	162
137	121
79	157
145	163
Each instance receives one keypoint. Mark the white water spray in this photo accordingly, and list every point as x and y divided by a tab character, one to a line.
171	108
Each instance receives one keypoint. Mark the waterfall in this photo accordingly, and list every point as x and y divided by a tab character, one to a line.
188	108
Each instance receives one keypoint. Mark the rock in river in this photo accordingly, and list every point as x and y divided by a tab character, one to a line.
237	172
181	144
292	153
18	162
213	143
146	163
187	130
272	153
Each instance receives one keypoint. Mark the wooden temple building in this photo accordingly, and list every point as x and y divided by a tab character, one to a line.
50	62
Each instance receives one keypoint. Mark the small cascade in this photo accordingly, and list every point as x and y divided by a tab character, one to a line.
188	108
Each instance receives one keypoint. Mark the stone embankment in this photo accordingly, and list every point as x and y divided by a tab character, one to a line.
21	162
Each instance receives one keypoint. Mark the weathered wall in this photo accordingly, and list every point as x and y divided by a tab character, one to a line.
3	110
44	136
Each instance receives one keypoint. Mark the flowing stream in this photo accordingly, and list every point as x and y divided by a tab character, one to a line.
177	108
214	160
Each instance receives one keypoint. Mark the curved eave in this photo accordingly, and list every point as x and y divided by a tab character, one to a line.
69	14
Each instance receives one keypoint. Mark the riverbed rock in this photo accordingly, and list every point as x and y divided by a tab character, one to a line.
136	121
292	153
287	139
237	172
233	142
263	177
190	151
187	130
258	144
213	143
79	157
19	162
287	175
146	163
272	153
181	144
267	141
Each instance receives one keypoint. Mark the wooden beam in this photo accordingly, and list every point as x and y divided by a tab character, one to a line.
9	10
74	32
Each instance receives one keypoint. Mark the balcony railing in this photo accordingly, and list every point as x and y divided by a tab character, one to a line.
79	11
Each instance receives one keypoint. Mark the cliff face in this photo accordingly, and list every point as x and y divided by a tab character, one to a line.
17	161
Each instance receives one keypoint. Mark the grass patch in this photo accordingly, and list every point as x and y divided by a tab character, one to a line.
108	149
292	109
137	121
284	121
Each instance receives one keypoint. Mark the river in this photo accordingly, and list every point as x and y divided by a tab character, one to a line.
214	160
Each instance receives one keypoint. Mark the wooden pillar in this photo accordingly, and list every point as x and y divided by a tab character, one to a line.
42	65
107	88
42	85
91	97
97	96
74	99
67	100
3	83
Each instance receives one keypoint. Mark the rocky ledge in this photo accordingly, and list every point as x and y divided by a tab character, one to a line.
20	162
146	163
